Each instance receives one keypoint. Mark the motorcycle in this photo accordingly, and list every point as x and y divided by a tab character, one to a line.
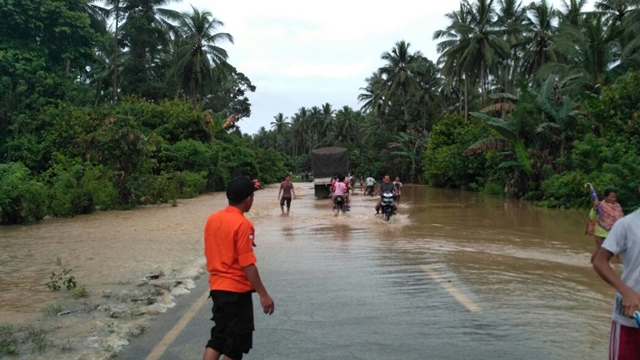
387	205
340	205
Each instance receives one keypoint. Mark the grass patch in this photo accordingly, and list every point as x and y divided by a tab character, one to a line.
52	310
29	333
8	341
80	292
40	344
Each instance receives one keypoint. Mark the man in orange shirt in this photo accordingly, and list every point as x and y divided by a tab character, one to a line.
233	275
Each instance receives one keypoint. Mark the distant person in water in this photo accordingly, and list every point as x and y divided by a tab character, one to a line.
600	225
398	186
286	190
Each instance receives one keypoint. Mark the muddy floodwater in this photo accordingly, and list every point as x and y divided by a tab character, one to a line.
526	268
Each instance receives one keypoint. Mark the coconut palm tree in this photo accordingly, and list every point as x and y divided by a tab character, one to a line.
280	127
146	34
510	19
540	31
485	47
572	13
372	95
589	50
198	51
398	73
98	16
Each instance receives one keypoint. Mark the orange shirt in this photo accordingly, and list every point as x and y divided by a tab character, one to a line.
228	246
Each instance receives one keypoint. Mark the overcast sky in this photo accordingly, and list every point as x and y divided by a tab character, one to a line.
306	53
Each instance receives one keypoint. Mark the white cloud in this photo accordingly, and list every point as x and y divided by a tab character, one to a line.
327	70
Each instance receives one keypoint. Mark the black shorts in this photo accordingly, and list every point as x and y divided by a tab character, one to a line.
287	199
232	334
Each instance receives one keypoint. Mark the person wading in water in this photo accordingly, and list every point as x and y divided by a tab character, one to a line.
600	225
286	189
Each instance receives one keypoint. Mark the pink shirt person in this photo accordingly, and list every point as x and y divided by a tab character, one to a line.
339	188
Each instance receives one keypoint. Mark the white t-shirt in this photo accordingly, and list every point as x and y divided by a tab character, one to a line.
624	238
398	186
370	181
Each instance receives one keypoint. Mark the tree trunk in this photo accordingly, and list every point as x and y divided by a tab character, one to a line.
404	106
459	94
194	96
482	84
115	53
466	99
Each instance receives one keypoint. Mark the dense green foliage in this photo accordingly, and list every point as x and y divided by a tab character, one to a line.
86	125
525	100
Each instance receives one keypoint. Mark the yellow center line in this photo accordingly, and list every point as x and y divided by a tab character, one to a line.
462	298
162	346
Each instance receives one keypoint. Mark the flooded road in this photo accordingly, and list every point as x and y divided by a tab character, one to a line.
454	275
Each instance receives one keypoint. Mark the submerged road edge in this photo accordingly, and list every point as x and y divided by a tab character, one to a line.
462	298
162	346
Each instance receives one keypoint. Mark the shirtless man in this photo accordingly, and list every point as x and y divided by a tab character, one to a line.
286	189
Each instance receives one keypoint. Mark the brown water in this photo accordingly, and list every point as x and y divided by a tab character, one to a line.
528	267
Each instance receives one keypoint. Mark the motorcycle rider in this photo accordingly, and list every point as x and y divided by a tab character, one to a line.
341	188
386	187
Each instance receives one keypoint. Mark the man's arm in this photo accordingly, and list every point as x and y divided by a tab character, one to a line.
280	192
613	245
293	191
630	299
253	275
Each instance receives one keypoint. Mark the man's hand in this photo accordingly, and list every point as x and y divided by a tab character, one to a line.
630	302
595	204
267	304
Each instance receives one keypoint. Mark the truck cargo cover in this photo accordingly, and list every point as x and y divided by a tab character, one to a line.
329	161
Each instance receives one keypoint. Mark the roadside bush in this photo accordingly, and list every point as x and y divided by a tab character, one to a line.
617	111
445	166
271	166
189	184
75	188
235	161
604	164
22	197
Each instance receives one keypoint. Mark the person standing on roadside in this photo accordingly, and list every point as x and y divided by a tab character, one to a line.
233	276
624	238
286	189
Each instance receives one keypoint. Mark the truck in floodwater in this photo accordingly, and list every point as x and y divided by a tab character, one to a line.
325	163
